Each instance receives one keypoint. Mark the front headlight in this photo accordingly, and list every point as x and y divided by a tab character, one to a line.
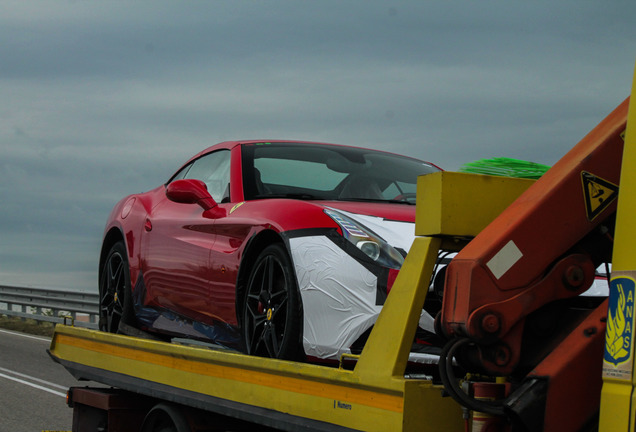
367	241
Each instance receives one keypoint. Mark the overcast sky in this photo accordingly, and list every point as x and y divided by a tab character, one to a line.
103	99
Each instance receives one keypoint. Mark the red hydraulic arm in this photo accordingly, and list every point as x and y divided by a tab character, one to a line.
502	309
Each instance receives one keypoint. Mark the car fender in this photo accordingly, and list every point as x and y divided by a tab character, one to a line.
126	222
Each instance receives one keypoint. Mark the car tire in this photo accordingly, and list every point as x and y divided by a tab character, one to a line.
115	296
272	310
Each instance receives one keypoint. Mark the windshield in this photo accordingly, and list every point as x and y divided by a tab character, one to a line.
329	172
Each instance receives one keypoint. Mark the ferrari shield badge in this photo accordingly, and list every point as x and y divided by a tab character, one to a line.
236	206
620	326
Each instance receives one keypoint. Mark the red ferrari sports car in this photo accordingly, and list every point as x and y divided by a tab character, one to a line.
280	249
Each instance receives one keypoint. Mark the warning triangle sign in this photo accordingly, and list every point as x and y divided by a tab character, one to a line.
598	193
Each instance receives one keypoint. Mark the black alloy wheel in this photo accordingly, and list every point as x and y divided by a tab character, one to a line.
272	312
115	298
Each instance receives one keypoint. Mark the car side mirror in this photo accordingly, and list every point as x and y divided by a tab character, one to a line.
190	191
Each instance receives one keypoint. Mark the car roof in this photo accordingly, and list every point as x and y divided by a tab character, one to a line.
231	144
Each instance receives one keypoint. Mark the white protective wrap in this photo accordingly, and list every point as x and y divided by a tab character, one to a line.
339	293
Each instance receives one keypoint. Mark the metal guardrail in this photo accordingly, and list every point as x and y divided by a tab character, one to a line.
50	305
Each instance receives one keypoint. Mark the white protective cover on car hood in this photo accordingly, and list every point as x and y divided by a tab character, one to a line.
339	293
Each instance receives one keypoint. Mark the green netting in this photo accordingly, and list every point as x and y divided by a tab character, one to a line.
505	167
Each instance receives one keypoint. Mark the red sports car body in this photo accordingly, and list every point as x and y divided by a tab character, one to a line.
281	249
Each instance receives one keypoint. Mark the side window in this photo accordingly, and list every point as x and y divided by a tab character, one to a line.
181	174
214	170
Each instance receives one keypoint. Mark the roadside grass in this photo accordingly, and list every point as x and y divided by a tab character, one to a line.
26	325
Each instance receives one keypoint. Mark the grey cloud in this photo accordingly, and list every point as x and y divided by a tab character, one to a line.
104	99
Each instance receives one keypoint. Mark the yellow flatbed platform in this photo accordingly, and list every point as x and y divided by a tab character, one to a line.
373	395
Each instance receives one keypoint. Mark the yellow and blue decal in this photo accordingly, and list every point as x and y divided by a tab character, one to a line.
620	328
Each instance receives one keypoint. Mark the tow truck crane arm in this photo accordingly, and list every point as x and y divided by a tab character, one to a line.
514	278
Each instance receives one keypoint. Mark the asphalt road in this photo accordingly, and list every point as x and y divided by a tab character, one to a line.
32	386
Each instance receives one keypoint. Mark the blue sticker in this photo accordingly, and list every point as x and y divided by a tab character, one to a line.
620	321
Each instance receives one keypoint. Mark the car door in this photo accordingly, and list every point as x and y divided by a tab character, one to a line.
178	241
